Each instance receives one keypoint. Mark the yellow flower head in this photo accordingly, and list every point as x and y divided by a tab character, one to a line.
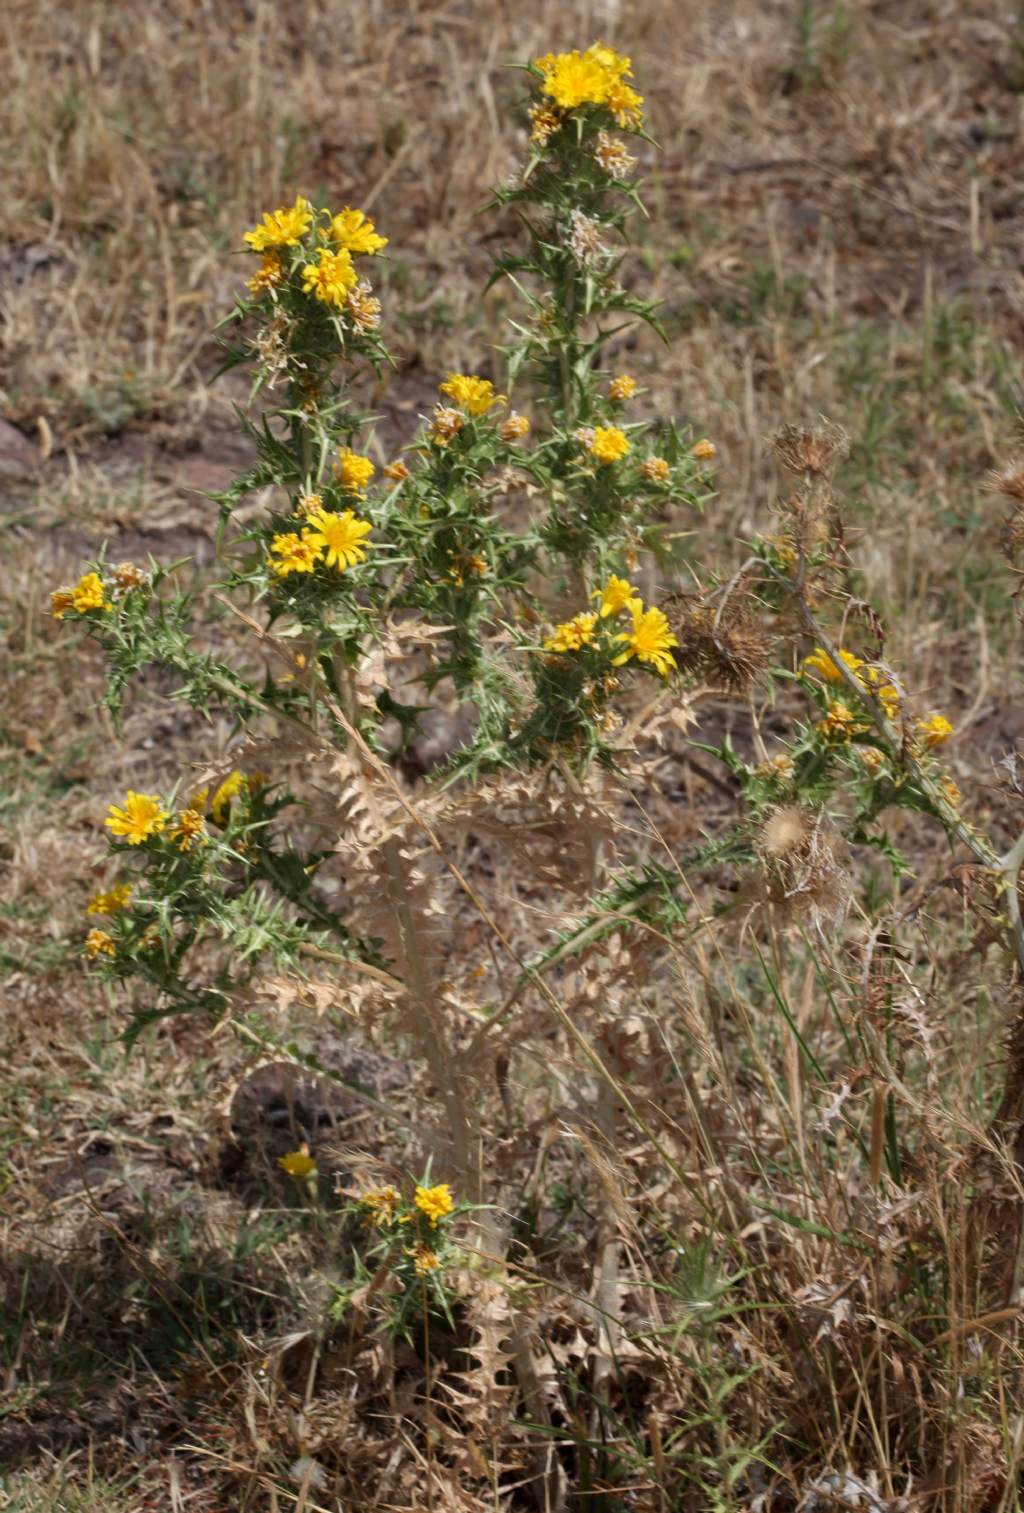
935	731
572	635
617	594
353	471
98	943
655	469
340	537
704	450
474	395
621	388
821	663
330	278
435	1202
298	1163
574	79
281	228
228	790
88	593
382	1203
396	472
191	827
651	639
424	1259
353	230
267	276
140	818
608	444
291	553
118	897
514	428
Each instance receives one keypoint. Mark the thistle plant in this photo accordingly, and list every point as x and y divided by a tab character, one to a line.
490	563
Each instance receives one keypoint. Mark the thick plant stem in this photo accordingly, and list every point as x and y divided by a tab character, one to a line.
429	1027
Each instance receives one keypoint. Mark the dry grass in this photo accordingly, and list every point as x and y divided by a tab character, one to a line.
835	228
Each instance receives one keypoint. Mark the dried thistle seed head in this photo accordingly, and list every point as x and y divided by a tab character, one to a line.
785	833
1008	480
814	449
800	855
731	649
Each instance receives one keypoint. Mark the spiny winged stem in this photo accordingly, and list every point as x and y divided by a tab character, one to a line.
429	1026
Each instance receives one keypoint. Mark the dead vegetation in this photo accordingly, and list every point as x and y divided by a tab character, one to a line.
754	1170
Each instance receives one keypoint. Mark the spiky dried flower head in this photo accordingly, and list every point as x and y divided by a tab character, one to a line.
728	648
1008	480
800	856
396	472
813	449
514	427
785	833
364	307
445	424
584	237
655	469
127	576
267	276
613	156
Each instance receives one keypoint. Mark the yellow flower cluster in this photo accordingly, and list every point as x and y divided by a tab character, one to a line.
650	640
353	471
595	77
621	388
474	395
331	278
111	902
99	943
88	593
281	228
337	540
572	635
355	232
435	1202
608	444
